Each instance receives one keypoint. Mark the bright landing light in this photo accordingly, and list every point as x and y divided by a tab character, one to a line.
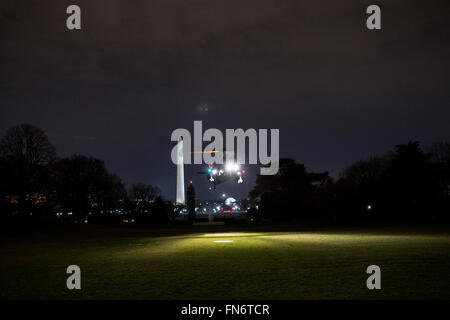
231	166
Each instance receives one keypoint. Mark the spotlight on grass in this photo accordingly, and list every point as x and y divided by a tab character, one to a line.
230	234
221	241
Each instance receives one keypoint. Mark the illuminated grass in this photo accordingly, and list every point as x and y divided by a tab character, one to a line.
252	266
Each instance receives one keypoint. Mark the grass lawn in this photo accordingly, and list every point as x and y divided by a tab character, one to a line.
134	264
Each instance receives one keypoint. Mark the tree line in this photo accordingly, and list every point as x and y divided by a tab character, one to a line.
37	185
406	183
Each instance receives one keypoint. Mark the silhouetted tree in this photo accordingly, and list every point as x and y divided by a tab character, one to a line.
401	185
144	192
366	171
27	143
409	182
292	192
440	158
159	211
170	211
361	187
141	197
83	185
191	202
440	152
25	150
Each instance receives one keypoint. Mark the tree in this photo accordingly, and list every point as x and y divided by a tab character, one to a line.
440	152
409	182
141	197
191	202
159	211
144	192
25	151
290	178
83	185
440	158
27	143
366	171
361	185
292	192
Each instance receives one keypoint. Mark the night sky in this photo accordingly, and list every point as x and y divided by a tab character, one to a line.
137	70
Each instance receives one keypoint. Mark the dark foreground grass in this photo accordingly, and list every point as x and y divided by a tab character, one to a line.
256	265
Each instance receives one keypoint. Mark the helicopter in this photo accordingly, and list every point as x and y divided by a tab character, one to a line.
217	174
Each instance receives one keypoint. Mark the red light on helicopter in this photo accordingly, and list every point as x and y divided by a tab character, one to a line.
243	171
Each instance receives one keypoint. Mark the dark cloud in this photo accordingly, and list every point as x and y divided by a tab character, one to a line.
137	70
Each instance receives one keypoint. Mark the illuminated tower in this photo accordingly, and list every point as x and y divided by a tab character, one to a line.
180	172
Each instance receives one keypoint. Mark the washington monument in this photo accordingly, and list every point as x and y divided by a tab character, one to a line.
180	172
